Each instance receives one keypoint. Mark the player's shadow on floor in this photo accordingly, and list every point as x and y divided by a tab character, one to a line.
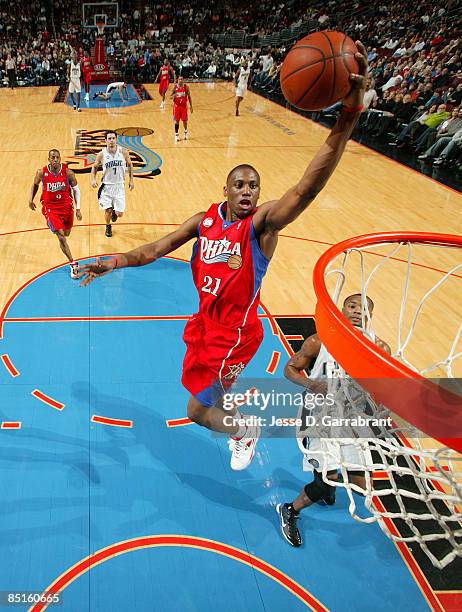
178	449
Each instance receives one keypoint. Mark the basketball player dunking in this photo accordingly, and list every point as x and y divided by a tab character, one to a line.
73	74
235	241
181	95
166	75
114	161
57	206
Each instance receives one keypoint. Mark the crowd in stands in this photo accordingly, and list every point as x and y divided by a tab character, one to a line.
415	86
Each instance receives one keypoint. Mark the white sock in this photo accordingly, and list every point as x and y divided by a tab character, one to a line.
240	432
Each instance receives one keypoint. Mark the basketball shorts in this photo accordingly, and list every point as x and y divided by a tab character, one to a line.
215	356
112	196
163	86
326	453
87	78
240	92
180	113
59	219
74	86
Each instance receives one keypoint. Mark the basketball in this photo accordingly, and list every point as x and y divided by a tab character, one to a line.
235	262
315	72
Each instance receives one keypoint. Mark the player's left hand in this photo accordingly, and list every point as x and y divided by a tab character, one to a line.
358	81
78	214
131	185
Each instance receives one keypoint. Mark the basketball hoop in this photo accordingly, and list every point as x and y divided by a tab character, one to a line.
421	476
100	27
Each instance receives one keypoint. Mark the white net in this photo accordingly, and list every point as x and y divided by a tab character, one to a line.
411	484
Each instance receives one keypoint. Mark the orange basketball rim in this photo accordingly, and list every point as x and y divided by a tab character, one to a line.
431	408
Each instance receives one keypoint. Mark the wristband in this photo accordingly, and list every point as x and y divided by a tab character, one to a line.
352	109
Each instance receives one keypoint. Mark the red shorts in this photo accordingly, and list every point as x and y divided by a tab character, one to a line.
180	113
215	356
163	86
59	219
87	78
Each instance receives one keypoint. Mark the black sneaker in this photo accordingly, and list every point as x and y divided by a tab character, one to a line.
288	520
108	231
113	216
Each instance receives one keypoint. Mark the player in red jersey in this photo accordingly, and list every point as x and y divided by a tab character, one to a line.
181	95
57	204
166	75
87	69
235	241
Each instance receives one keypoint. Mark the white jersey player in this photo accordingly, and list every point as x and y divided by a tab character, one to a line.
74	74
119	86
322	381
242	82
114	161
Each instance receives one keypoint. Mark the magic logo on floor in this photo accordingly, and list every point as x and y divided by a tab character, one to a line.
88	143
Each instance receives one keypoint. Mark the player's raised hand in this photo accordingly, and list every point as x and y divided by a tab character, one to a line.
32	205
91	271
358	81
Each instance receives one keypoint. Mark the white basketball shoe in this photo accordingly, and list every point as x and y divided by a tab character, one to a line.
74	270
243	450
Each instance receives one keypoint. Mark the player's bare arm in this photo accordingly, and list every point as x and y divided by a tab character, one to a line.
35	185
128	161
75	188
271	219
383	345
300	361
145	254
188	93
94	169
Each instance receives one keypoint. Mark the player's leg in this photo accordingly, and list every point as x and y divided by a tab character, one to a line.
63	245
87	81
105	201
118	202
177	127
212	417
71	94
316	490
214	358
78	101
74	265
185	128
162	94
238	101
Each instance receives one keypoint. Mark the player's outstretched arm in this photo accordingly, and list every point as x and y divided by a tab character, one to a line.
296	200
34	189
145	254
